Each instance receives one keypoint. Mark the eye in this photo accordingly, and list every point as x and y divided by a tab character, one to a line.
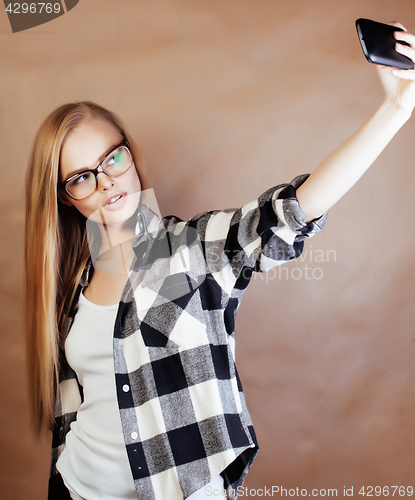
117	157
81	178
117	161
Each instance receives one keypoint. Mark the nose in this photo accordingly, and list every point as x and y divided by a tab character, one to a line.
104	181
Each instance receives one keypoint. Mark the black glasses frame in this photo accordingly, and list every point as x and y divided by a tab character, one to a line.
96	171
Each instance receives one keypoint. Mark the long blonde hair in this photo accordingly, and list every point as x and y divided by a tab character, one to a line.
56	251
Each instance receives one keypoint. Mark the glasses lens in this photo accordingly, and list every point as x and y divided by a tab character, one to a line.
82	185
117	162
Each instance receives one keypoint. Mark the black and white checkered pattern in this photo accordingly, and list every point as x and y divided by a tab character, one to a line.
181	403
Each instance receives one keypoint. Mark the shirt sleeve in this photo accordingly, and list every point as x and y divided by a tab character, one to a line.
256	237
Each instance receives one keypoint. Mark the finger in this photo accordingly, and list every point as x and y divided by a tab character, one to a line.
398	25
405	74
406	51
404	36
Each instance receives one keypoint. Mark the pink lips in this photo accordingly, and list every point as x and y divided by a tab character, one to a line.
117	204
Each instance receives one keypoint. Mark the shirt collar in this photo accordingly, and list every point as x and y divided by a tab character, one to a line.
147	223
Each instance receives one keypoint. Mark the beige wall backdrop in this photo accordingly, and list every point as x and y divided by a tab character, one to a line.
228	98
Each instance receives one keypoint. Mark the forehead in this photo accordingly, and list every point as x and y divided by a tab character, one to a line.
85	145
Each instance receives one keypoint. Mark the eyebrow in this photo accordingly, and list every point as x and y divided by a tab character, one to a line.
86	169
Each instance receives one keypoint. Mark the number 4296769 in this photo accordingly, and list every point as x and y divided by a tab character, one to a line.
377	491
33	8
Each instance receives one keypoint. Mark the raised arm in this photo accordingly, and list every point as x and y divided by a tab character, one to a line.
340	170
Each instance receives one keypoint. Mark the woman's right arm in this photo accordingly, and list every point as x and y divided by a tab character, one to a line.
344	167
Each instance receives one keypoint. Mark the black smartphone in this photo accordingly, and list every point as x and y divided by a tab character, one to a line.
378	44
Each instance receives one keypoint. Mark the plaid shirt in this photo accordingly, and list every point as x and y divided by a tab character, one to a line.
181	403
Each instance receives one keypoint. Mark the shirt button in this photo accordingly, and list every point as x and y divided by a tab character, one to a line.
125	388
134	435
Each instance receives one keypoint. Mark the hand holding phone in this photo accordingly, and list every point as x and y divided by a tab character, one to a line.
378	44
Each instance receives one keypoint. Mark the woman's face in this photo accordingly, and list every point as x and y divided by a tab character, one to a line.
82	149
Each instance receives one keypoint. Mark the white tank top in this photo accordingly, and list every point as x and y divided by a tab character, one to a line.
94	463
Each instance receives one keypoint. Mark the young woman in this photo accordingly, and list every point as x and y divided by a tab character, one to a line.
130	317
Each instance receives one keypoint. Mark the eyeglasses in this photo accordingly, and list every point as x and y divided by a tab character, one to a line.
115	162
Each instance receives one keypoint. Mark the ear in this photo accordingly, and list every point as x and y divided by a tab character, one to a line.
64	198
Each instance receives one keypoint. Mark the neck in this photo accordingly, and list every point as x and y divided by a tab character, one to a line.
116	253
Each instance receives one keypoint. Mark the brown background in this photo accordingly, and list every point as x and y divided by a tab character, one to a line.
227	98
